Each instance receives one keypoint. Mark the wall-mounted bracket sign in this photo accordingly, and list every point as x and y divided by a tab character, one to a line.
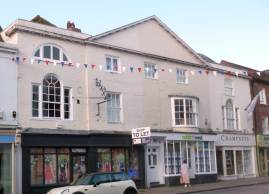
141	135
104	94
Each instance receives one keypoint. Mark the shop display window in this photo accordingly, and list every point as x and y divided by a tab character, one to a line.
247	162
79	166
104	160
50	169
36	169
63	169
118	160
229	156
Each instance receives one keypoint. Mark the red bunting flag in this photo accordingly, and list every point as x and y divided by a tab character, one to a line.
93	66
207	72
24	59
139	69
47	62
163	69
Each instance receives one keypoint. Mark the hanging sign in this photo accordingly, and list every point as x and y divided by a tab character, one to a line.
141	135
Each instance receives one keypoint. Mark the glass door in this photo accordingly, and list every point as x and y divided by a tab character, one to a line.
79	166
239	162
229	156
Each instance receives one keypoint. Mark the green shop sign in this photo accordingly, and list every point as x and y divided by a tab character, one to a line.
263	141
191	137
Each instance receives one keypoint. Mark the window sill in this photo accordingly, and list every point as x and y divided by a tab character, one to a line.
50	60
115	122
181	83
50	119
113	72
151	78
185	126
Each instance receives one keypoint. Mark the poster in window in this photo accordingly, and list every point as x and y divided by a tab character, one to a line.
133	171
118	160
50	168
79	166
36	169
103	160
63	168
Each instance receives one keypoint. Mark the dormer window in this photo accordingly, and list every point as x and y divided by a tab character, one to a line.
50	52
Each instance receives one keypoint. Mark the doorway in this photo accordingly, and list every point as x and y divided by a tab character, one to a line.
153	154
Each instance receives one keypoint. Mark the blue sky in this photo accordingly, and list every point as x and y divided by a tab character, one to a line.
234	30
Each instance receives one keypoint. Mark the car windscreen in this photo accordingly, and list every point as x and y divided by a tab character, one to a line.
84	180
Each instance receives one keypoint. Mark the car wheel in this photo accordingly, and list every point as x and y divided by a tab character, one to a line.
130	191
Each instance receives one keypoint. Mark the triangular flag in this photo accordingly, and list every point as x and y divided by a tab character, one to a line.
62	64
93	66
47	62
70	64
39	61
237	73
24	59
155	69
100	67
170	70
207	72
200	72
139	69
85	65
215	73
54	63
131	69
163	69
32	61
259	73
123	69
77	65
13	59
17	59
192	73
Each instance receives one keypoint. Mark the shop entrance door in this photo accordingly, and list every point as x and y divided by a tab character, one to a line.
191	160
239	162
153	165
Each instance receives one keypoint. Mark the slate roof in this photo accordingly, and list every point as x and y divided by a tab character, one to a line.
206	58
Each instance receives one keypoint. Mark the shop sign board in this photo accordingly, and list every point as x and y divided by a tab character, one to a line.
235	140
263	140
7	138
141	135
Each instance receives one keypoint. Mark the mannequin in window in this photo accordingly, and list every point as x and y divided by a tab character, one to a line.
185	178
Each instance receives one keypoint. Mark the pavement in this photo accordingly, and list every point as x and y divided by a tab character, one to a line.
197	188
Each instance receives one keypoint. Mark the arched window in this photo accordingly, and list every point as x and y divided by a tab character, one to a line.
51	99
51	93
230	114
50	52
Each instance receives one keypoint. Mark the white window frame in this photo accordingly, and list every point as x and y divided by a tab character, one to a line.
41	53
150	71
182	76
263	97
195	103
120	109
40	107
228	87
112	65
236	117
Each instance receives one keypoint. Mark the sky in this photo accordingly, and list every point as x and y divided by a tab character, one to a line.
233	30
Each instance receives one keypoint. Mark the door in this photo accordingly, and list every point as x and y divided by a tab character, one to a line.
79	166
239	162
191	159
153	165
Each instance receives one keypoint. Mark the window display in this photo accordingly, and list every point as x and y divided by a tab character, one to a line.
36	169
118	160
79	166
5	169
63	169
50	169
133	170
103	160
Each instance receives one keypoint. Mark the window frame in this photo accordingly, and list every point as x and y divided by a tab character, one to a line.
195	104
111	57
120	108
152	70
236	116
62	103
179	76
229	87
262	97
51	59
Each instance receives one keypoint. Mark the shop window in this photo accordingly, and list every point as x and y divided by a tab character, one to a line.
114	108
103	160
185	112
200	153
118	160
50	166
47	101
150	71
79	166
212	156
239	161
5	169
50	52
248	170
133	167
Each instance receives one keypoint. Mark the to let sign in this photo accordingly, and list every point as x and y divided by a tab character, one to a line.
140	135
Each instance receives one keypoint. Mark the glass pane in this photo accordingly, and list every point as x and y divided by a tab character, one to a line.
207	162
63	168
47	52
248	162
239	161
118	160
64	57
229	162
5	168
50	150
50	169
36	169
212	156
108	63
104	160
177	158
170	158
37	53
36	150
201	156
56	53
133	171
79	166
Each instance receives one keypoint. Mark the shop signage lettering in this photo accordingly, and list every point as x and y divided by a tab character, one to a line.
263	141
192	137
235	140
7	138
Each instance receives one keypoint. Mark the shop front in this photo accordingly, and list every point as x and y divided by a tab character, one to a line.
7	167
53	160
166	152
263	154
235	156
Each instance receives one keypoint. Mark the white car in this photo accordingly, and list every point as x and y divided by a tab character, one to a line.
99	183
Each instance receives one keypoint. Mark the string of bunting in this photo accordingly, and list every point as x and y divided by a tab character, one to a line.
131	68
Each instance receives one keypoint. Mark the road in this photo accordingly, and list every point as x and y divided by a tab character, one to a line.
255	189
